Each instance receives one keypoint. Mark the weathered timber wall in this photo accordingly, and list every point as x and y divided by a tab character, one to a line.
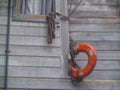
97	22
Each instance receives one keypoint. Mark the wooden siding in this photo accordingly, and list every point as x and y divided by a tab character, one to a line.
3	32
97	22
31	57
35	65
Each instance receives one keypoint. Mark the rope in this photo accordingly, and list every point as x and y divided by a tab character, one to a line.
75	8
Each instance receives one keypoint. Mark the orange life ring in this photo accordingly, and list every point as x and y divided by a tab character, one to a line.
80	73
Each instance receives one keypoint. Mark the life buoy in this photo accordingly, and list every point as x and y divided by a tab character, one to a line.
80	73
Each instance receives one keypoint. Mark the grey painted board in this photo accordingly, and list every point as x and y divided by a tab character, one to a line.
2	60
4	3
94	28
33	41
3	39
31	31
35	51
94	8
88	36
95	2
94	21
34	72
3	20
64	37
63	84
2	49
34	61
1	82
104	75
3	11
2	71
3	29
95	14
108	55
30	24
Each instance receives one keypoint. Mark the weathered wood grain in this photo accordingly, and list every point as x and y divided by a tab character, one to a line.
95	28
3	11
94	21
95	14
95	2
2	50
34	72
33	41
4	3
3	29
2	60
29	83
31	31
3	39
3	20
2	71
32	51
35	51
34	61
88	36
94	8
104	75
1	82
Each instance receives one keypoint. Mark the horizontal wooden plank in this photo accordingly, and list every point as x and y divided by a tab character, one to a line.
95	2
35	51
31	24
83	7
3	20
109	55
33	41
2	60
3	39
104	75
4	3
104	45
3	29
94	28
103	55
2	49
31	31
88	36
31	61
35	83
35	72
2	71
94	21
34	61
55	52
102	65
32	51
3	11
1	82
95	14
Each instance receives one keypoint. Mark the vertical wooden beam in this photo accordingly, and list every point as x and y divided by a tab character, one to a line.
64	38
